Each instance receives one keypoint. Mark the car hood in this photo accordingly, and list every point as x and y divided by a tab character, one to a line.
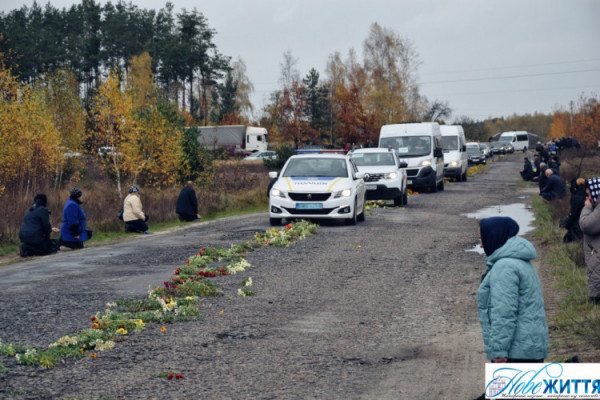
312	184
377	169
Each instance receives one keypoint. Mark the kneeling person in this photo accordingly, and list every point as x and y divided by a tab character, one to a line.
36	229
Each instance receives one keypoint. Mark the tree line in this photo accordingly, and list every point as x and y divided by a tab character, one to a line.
91	40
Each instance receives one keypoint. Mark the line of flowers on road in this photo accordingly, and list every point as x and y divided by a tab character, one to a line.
176	300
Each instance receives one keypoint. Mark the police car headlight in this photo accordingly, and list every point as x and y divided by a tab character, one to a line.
453	164
277	193
426	163
391	175
343	193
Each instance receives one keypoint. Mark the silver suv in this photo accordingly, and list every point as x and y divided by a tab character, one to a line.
385	174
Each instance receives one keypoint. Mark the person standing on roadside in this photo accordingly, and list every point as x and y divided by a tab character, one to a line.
187	204
133	213
510	298
571	221
35	231
73	230
589	221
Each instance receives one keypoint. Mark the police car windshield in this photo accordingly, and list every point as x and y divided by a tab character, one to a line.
316	167
408	146
363	159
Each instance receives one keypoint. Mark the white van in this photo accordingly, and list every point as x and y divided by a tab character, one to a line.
455	152
420	145
518	139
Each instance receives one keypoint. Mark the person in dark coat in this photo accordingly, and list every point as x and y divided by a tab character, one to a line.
36	229
527	171
554	164
187	204
571	222
73	230
554	188
542	176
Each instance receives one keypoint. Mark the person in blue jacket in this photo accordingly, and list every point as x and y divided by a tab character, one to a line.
510	298
73	230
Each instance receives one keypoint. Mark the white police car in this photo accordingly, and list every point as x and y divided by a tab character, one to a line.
318	185
385	174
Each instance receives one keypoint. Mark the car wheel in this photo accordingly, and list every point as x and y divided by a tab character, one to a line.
464	176
434	187
275	221
362	216
405	197
440	185
398	201
352	220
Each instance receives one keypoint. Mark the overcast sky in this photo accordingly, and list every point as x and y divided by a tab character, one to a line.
486	58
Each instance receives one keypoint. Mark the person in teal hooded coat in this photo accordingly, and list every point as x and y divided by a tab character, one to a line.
510	298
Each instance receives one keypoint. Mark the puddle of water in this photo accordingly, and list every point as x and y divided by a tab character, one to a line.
517	211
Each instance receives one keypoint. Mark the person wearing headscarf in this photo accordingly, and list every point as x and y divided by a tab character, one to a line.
73	230
133	213
589	221
36	229
510	298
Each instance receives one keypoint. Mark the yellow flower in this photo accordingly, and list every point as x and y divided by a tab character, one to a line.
122	331
163	329
221	312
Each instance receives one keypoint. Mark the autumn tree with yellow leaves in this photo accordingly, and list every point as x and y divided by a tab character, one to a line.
29	138
137	131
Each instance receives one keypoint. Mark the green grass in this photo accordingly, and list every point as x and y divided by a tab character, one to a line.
116	231
574	326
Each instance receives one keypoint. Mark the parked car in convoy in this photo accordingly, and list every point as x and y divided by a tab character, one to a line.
259	155
519	140
318	185
486	149
498	147
421	146
475	154
455	152
385	174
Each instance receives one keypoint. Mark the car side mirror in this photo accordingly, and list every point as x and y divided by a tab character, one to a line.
273	174
438	152
464	148
403	164
359	175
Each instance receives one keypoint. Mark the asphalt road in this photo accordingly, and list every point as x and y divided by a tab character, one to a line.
382	310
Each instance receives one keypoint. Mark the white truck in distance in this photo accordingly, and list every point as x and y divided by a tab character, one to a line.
236	139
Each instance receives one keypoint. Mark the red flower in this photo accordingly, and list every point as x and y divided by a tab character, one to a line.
288	226
170	376
243	256
179	376
93	319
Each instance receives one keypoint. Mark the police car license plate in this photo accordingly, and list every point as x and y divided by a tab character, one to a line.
409	182
309	206
371	187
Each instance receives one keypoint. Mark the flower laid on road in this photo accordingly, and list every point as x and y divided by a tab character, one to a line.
176	300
